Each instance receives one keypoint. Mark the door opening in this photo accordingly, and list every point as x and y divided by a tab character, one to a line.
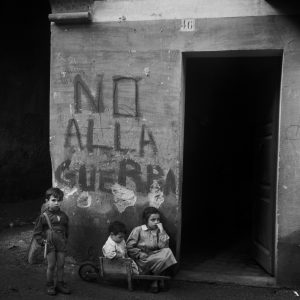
24	110
229	176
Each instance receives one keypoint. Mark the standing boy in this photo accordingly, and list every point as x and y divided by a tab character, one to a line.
54	239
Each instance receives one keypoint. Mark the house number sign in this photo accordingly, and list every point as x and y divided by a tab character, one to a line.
187	25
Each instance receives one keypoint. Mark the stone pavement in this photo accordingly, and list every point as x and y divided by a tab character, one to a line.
19	280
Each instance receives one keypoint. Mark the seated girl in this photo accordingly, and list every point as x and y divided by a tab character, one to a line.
148	246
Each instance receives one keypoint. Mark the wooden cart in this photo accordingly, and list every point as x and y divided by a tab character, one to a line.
117	268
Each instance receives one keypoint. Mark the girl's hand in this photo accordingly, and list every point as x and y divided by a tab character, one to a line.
143	255
160	227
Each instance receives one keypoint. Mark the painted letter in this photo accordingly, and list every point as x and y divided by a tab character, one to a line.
144	142
64	176
134	173
69	134
96	103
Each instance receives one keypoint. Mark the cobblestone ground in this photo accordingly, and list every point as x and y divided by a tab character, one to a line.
19	280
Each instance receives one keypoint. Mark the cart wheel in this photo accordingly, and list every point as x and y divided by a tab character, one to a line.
88	272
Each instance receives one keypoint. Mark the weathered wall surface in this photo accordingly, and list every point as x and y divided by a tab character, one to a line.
141	10
116	115
288	205
114	128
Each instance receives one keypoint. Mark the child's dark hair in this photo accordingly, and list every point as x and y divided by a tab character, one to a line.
117	227
148	211
55	192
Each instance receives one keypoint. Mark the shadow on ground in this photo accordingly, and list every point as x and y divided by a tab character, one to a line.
19	280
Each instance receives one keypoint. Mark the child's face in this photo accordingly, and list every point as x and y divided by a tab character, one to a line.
54	203
153	220
117	238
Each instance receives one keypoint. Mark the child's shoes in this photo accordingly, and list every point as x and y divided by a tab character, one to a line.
163	285
50	289
154	287
61	287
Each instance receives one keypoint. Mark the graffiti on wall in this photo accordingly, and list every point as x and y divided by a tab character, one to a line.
72	177
114	168
123	109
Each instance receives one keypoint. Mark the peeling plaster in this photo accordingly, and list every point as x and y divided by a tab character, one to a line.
147	71
84	200
68	192
123	197
72	192
156	195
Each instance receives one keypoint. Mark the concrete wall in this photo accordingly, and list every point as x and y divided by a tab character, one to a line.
116	118
142	10
115	127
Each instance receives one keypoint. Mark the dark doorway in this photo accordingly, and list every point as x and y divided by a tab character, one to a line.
25	171
227	102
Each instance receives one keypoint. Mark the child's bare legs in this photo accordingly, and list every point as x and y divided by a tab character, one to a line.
154	283
154	287
60	257
60	285
55	260
51	259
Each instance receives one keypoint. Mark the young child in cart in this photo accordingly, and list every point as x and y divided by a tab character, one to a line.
115	246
